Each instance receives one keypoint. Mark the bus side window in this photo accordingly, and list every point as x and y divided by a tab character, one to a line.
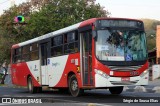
57	45
71	46
26	53
34	51
13	55
17	55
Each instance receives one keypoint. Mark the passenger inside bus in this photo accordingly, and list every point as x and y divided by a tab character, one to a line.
116	38
120	44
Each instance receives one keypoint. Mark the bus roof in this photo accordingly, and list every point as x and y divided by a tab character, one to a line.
64	30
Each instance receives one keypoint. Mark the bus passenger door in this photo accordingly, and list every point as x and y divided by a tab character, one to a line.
86	56
44	68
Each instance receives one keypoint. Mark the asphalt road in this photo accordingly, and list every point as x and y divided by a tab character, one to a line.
89	98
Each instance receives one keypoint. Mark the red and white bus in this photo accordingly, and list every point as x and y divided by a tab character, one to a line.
96	53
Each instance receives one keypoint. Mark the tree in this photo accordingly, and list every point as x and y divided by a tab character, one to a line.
150	28
43	17
56	14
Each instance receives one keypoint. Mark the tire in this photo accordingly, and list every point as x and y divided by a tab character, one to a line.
31	87
73	86
38	89
116	90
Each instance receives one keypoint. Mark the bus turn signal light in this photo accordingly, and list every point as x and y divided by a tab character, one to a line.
78	69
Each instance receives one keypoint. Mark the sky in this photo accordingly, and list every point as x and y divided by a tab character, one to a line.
132	8
117	8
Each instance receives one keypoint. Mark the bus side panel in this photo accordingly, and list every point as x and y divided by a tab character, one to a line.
71	66
59	73
34	71
20	73
56	69
14	75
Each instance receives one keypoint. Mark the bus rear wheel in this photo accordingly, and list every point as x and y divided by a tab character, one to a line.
116	90
73	86
38	89
31	87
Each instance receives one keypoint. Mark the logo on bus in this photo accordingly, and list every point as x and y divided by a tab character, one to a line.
55	64
35	68
128	57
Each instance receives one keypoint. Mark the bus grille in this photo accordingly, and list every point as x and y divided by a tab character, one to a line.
124	68
124	83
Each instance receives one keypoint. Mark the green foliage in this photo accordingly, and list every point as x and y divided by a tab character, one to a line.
1	75
1	84
43	17
7	32
61	13
150	28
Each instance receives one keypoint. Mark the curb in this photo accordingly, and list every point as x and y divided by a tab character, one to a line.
125	88
140	89
156	89
143	89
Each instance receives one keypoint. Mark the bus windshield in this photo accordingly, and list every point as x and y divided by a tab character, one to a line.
121	45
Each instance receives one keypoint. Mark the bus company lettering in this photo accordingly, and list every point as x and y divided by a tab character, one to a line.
35	69
55	64
128	101
26	100
148	100
34	101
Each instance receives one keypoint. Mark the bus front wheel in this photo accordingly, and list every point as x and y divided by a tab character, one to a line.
116	90
73	86
31	87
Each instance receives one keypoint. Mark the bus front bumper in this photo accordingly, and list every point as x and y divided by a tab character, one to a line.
101	81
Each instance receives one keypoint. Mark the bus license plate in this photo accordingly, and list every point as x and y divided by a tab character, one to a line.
125	79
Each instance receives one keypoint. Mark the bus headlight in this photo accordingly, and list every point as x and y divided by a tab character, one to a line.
144	73
101	73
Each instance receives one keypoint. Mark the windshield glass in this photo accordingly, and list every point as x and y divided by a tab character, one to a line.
121	45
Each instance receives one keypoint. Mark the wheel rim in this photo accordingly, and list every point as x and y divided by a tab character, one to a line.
74	85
